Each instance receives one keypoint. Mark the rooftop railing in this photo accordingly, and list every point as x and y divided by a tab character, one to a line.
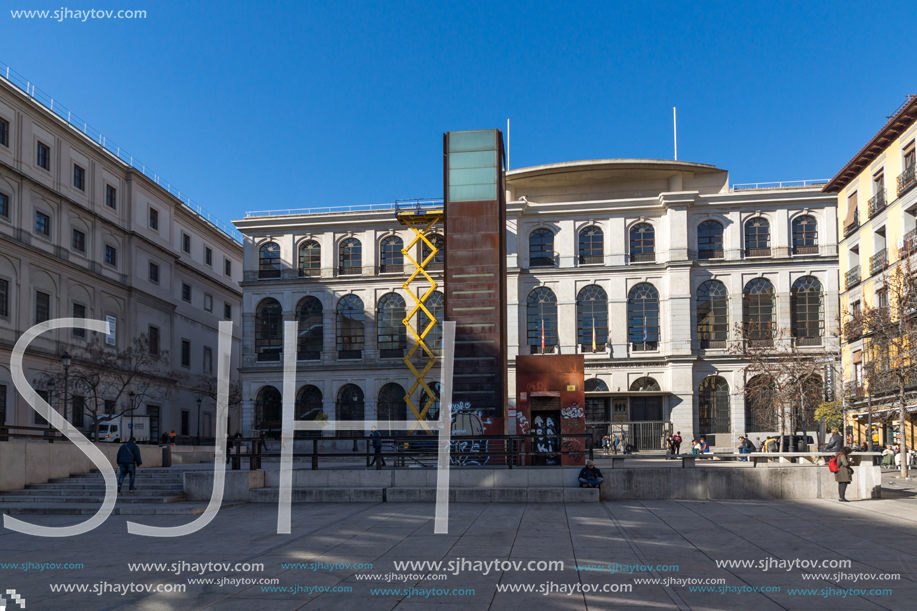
780	185
400	205
89	133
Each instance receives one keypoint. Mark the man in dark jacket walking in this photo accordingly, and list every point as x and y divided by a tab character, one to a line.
128	461
590	476
844	474
377	447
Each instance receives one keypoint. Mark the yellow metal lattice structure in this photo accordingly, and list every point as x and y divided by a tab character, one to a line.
421	223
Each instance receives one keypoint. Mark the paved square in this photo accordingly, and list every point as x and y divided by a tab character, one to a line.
679	540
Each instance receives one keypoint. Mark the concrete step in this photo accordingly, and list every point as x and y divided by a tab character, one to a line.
122	498
428	495
100	480
101	486
179	508
93	492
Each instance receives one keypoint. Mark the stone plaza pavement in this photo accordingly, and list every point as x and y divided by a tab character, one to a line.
877	536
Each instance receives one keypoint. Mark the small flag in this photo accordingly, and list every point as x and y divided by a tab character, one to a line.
644	329
593	333
542	335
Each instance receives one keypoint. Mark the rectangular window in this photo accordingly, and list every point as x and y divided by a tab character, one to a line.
79	311
185	353
154	219
227	311
42	307
77	410
208	302
154	273
208	256
42	223
109	406
882	298
4	204
208	360
111	197
43	158
4	297
111	255
4	132
227	267
37	419
79	177
154	340
78	241
186	292
909	156
185	418
186	243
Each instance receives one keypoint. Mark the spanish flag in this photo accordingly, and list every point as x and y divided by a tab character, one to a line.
542	335
593	334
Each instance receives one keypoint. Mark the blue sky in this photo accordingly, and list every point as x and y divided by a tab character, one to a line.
275	105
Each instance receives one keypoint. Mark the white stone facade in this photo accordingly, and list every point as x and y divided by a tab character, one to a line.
673	197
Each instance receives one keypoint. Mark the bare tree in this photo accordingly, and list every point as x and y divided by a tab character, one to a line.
889	328
784	380
105	377
206	386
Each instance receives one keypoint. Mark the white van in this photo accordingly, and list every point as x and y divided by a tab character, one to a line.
119	429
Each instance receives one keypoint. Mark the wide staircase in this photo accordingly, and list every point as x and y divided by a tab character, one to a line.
82	494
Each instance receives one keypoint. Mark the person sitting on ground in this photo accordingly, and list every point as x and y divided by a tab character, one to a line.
128	461
888	457
590	476
836	442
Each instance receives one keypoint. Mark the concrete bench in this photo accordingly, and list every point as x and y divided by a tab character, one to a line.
811	457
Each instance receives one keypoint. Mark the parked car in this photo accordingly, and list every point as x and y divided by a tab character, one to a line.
804	443
119	429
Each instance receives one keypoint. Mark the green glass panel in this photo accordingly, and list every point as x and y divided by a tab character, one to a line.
478	140
472	193
473	159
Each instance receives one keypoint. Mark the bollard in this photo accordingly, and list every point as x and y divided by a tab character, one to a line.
166	456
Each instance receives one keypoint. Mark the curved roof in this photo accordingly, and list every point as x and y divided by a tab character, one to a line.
648	166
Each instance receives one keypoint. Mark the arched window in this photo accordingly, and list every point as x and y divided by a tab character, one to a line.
643	317
349	407
645	384
269	330
351	258
712	314
269	260
713	408
759	310
592	318
541	321
757	237
595	385
311	329
437	263
391	406
710	240
591	246
268	410
434	337
805	236
420	403
310	259
642	243
308	407
541	248
350	327
808	311
391	257
760	399
390	326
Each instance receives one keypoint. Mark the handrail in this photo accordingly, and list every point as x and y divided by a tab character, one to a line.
96	137
781	184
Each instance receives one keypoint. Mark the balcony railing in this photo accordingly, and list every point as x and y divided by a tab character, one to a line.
310	272
543	259
878	262
853	225
350	271
877	203
309	355
548	349
714	253
808	341
713	344
853	390
391	268
269	273
435	266
643	257
758	252
269	355
591	259
907	179
888	380
644	346
587	348
852	277
805	250
910	243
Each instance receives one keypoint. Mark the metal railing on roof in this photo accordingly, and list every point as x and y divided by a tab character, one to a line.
88	132
399	204
779	185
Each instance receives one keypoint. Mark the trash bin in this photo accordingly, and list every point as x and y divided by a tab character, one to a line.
166	456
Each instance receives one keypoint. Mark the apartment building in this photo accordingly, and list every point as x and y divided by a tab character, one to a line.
642	266
87	235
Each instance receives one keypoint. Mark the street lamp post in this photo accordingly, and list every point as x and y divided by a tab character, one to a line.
65	360
51	386
131	395
199	400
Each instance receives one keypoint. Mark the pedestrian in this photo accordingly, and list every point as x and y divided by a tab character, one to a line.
757	444
864	447
165	439
676	440
590	476
605	442
228	449
836	442
172	437
128	461
669	447
844	474
377	447
615	442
